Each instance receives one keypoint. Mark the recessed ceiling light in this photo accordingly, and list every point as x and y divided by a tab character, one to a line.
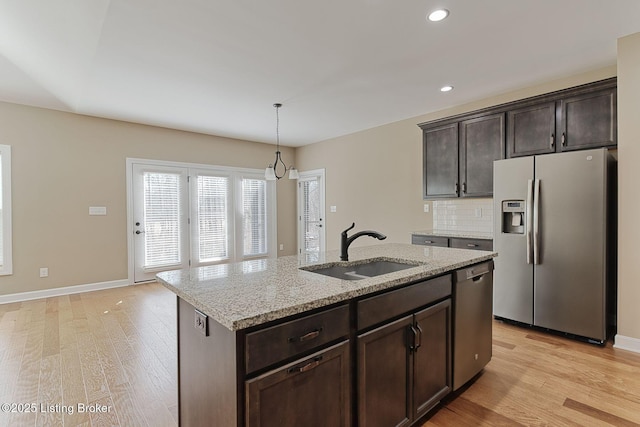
438	15
446	88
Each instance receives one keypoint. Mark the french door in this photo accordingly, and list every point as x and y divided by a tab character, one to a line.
184	215
311	223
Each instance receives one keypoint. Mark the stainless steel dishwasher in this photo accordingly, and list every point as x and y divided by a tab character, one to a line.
472	325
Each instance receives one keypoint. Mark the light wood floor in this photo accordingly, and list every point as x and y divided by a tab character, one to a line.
117	349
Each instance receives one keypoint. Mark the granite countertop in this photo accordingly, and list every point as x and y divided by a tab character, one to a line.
250	293
460	234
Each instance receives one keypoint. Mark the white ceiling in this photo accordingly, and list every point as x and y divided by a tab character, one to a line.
338	66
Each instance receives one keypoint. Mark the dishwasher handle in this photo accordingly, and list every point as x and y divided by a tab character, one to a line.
474	271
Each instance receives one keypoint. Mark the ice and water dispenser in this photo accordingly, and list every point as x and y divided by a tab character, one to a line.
513	216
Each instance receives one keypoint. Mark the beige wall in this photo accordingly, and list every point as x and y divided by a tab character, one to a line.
374	177
63	163
629	178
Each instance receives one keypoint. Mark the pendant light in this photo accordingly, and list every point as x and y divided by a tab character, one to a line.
271	172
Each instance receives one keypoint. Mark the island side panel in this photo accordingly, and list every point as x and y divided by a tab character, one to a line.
207	372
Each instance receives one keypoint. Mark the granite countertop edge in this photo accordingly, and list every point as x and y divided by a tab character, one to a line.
240	300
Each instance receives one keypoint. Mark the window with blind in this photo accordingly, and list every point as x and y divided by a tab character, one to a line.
186	214
162	219
212	222
6	260
254	217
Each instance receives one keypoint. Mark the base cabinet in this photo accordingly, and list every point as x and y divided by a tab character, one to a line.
404	367
379	360
313	391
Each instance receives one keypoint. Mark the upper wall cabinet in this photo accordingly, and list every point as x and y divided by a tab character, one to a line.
585	119
481	142
531	130
458	151
589	120
458	157
440	158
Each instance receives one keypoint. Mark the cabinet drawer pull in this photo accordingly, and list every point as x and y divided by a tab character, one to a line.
552	141
416	338
564	140
306	337
307	367
464	187
428	241
472	245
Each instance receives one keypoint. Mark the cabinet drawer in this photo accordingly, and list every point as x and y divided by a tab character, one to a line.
479	244
279	342
311	391
419	239
382	307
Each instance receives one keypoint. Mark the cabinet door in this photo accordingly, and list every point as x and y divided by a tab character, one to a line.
384	374
589	121
481	142
313	391
432	359
531	130
440	159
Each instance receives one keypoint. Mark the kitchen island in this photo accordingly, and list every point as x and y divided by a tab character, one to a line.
266	342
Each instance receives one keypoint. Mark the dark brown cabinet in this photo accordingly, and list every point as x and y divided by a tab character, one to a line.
441	161
582	119
531	130
458	157
404	367
458	151
481	142
312	391
589	121
382	359
452	242
421	239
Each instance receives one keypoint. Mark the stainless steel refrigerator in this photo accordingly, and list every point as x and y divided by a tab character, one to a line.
554	234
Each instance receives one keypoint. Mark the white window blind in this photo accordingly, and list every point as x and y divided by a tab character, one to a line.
6	259
254	217
213	218
311	215
1	216
162	219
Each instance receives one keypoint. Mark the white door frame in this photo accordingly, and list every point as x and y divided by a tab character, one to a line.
308	175
272	205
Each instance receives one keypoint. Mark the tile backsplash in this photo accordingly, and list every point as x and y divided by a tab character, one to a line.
473	215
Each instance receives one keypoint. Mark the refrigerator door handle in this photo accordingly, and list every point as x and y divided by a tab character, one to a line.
529	220
536	222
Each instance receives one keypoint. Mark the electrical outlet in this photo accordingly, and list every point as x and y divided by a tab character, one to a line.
426	207
44	272
333	208
478	212
281	247
201	323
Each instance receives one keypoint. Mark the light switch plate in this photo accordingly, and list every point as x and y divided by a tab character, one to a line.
333	209
97	210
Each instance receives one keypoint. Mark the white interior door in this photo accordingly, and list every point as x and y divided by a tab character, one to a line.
311	222
160	219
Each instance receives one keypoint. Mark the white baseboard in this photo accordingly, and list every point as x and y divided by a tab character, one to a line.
626	343
56	292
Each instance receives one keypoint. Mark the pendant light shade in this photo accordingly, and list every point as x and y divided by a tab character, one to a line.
271	172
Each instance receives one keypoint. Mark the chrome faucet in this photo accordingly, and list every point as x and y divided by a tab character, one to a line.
346	241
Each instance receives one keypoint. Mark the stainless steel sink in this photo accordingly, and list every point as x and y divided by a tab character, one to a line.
363	269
